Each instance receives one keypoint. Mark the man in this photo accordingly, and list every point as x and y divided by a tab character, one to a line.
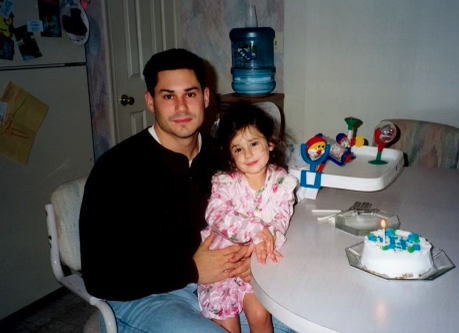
143	209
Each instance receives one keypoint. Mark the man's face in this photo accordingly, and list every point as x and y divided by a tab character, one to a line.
178	104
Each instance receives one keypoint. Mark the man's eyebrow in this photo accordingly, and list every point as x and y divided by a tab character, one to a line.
166	91
169	91
191	88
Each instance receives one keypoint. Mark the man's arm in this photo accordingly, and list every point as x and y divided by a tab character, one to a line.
216	265
133	241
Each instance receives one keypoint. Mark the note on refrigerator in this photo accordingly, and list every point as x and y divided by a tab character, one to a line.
24	116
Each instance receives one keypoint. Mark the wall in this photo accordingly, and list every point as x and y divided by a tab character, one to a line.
369	59
205	30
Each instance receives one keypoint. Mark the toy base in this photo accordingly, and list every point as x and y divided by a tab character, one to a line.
358	175
377	162
307	193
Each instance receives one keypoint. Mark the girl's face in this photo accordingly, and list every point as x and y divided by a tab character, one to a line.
250	152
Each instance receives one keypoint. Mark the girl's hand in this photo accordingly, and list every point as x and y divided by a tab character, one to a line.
262	254
275	256
268	238
261	250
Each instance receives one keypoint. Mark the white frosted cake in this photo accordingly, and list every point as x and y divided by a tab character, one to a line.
400	254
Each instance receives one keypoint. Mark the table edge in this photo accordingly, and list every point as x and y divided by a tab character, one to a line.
285	316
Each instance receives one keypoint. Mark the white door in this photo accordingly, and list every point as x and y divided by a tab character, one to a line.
138	29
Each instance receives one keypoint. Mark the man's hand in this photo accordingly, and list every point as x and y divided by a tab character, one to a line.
244	252
215	265
242	256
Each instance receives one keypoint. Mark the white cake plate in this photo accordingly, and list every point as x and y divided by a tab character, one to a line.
441	264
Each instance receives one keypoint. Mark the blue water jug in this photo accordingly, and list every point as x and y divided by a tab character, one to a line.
253	60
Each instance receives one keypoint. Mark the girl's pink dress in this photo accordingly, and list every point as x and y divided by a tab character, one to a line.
237	214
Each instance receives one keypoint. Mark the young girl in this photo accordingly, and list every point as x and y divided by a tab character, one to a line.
252	202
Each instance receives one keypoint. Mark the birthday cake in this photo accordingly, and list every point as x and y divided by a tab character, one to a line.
397	254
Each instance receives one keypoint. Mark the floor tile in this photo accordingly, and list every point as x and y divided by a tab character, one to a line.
67	314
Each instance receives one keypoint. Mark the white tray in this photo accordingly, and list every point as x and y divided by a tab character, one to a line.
359	175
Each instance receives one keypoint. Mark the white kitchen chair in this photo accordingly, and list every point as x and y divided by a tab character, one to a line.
63	232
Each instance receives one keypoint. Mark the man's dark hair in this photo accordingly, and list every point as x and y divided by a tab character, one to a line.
170	60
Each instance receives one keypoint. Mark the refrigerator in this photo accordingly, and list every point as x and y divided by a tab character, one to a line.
62	151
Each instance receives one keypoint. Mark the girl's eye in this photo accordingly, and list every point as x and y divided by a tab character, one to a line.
237	150
255	143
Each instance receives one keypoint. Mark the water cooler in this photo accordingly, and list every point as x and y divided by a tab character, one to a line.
252	51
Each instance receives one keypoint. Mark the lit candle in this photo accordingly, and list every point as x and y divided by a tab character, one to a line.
383	225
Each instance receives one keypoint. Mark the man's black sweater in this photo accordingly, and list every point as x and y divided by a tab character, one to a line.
140	221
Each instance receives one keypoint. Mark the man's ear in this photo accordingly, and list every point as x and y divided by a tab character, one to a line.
149	102
206	94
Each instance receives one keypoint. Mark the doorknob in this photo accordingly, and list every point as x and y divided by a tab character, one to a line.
125	100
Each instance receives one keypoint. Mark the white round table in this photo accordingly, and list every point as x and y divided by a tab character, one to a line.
314	289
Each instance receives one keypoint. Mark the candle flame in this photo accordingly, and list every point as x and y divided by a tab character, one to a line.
383	224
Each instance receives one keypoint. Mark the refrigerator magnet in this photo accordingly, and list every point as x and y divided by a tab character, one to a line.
6	8
27	43
48	11
74	22
6	48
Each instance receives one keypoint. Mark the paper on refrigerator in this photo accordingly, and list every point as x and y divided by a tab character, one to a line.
24	116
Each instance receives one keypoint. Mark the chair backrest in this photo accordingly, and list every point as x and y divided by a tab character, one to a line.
427	144
271	109
66	201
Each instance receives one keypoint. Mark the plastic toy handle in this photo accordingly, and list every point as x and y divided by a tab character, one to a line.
320	168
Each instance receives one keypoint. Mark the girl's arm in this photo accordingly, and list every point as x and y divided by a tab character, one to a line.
226	221
282	209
